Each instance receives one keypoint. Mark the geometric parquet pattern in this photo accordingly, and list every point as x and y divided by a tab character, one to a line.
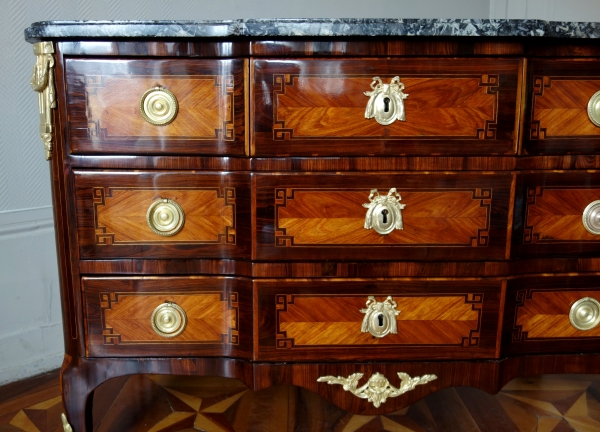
155	403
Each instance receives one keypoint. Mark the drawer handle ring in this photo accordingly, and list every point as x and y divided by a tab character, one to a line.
591	217
378	388
165	217
593	109
168	320
159	106
380	317
384	213
386	101
585	313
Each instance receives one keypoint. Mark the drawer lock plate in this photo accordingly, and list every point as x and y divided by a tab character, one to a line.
380	317
384	213
386	103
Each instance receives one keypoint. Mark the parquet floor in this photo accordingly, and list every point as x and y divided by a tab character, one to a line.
168	403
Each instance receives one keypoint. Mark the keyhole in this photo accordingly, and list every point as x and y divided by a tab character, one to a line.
384	212
380	318
386	101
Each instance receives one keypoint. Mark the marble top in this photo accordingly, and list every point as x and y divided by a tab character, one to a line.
310	27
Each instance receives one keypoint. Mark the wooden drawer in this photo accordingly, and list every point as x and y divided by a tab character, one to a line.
560	91
551	219
103	98
538	310
119	310
446	216
454	106
113	210
118	313
318	320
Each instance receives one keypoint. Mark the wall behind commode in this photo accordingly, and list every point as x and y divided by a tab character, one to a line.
31	339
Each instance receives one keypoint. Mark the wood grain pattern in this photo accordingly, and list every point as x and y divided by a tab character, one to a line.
557	121
554	215
303	322
329	217
321	319
546	315
211	317
104	97
537	314
389	46
112	207
322	216
118	312
317	107
548	214
311	107
560	107
121	215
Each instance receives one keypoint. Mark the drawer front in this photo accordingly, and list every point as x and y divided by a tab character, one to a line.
552	314
117	211
555	210
323	216
559	100
119	316
320	319
104	98
318	107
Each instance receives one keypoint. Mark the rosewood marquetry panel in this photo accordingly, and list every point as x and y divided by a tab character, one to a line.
319	319
551	206
322	216
537	314
558	97
317	107
118	316
104	106
112	212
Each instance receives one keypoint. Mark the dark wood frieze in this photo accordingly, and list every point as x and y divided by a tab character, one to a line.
207	48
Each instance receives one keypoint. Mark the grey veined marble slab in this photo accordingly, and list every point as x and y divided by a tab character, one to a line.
310	27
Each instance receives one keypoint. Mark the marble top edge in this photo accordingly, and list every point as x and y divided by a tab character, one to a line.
289	27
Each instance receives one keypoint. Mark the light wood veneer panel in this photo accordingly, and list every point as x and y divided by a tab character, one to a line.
321	319
422	321
118	316
321	216
111	208
104	106
546	315
317	107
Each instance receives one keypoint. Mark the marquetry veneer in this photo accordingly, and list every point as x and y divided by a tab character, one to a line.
272	162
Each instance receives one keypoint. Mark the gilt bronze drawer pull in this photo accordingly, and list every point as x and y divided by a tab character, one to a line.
386	103
585	313
378	388
591	217
159	106
168	320
385	212
165	217
593	109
